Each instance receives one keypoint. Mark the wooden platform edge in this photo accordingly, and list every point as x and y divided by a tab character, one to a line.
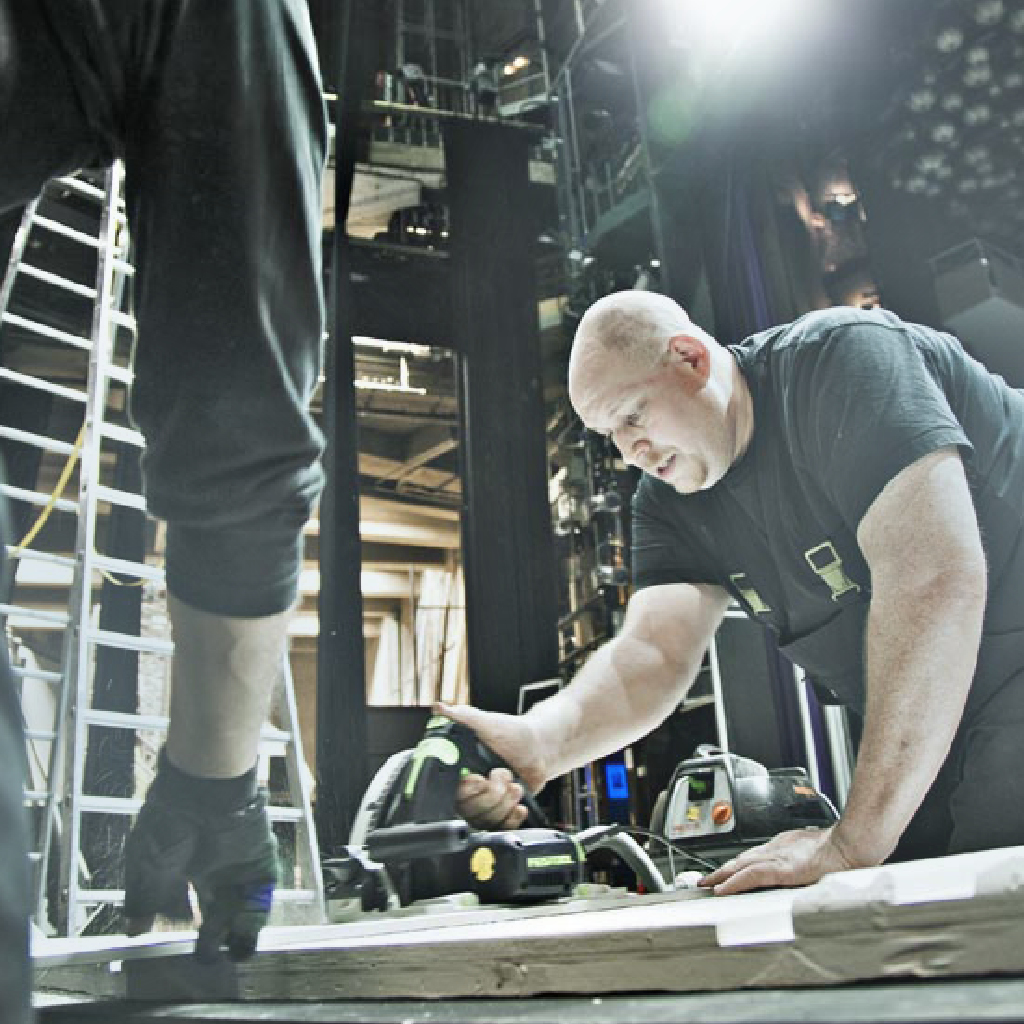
950	918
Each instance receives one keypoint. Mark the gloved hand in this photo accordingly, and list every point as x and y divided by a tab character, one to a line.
234	871
229	856
157	853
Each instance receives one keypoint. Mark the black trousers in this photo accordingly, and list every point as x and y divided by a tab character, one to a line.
216	108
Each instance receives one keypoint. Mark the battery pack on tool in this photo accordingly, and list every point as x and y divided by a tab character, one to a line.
522	866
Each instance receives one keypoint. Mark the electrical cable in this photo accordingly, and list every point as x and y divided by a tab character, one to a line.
673	848
51	503
62	482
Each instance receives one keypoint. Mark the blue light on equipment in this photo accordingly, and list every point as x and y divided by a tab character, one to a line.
616	780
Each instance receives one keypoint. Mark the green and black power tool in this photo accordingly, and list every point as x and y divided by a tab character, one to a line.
409	825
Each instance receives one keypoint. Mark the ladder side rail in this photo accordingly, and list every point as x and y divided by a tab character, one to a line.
17	253
307	847
89	469
48	818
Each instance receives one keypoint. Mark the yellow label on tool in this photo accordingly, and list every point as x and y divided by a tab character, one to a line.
482	864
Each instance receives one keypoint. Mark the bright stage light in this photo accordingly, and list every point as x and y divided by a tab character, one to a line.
724	24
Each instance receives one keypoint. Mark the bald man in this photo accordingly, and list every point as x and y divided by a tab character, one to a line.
856	484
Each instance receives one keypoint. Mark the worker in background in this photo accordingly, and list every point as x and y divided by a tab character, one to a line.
483	88
415	91
216	109
856	484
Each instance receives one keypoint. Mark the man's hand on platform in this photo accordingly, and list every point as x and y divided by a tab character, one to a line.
791	858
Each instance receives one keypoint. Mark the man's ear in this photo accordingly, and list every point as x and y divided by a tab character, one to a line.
692	351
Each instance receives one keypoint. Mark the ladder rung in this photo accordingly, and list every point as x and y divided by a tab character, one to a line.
130	805
53	618
48	332
37	498
30	554
124	267
122	319
125	498
123	720
83	188
87	291
122	374
36	796
40	734
43	385
295	896
158	723
123	434
109	804
21	672
125	642
48	444
126	568
293	814
60	228
93	897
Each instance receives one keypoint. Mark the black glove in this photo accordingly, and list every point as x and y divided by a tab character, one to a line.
234	871
196	830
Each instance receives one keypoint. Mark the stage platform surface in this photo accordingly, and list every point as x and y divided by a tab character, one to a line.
951	918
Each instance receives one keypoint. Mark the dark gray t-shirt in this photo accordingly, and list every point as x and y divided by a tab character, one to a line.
843	401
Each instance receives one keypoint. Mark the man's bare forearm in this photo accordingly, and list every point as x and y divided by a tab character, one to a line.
626	689
921	540
921	654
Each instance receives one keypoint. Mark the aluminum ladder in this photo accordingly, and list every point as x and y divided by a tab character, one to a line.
63	801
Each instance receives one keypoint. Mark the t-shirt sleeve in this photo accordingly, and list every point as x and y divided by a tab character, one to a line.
664	548
865	405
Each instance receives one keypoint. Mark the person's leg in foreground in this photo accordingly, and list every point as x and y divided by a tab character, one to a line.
224	154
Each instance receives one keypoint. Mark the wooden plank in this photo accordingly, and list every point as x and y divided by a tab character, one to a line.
951	917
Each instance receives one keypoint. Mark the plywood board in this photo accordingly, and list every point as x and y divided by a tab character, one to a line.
950	917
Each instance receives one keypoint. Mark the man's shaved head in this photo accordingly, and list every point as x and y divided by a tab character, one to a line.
670	398
627	330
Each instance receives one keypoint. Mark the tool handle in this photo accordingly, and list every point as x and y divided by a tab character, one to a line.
535	817
412	841
481	760
427	789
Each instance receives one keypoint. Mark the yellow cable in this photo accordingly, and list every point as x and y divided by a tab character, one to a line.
40	522
65	476
120	583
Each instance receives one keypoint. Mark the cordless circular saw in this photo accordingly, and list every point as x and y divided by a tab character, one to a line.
409	843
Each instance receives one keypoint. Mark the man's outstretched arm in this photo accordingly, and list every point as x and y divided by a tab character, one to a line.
627	688
921	541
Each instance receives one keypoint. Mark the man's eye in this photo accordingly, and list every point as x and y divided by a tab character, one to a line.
633	419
